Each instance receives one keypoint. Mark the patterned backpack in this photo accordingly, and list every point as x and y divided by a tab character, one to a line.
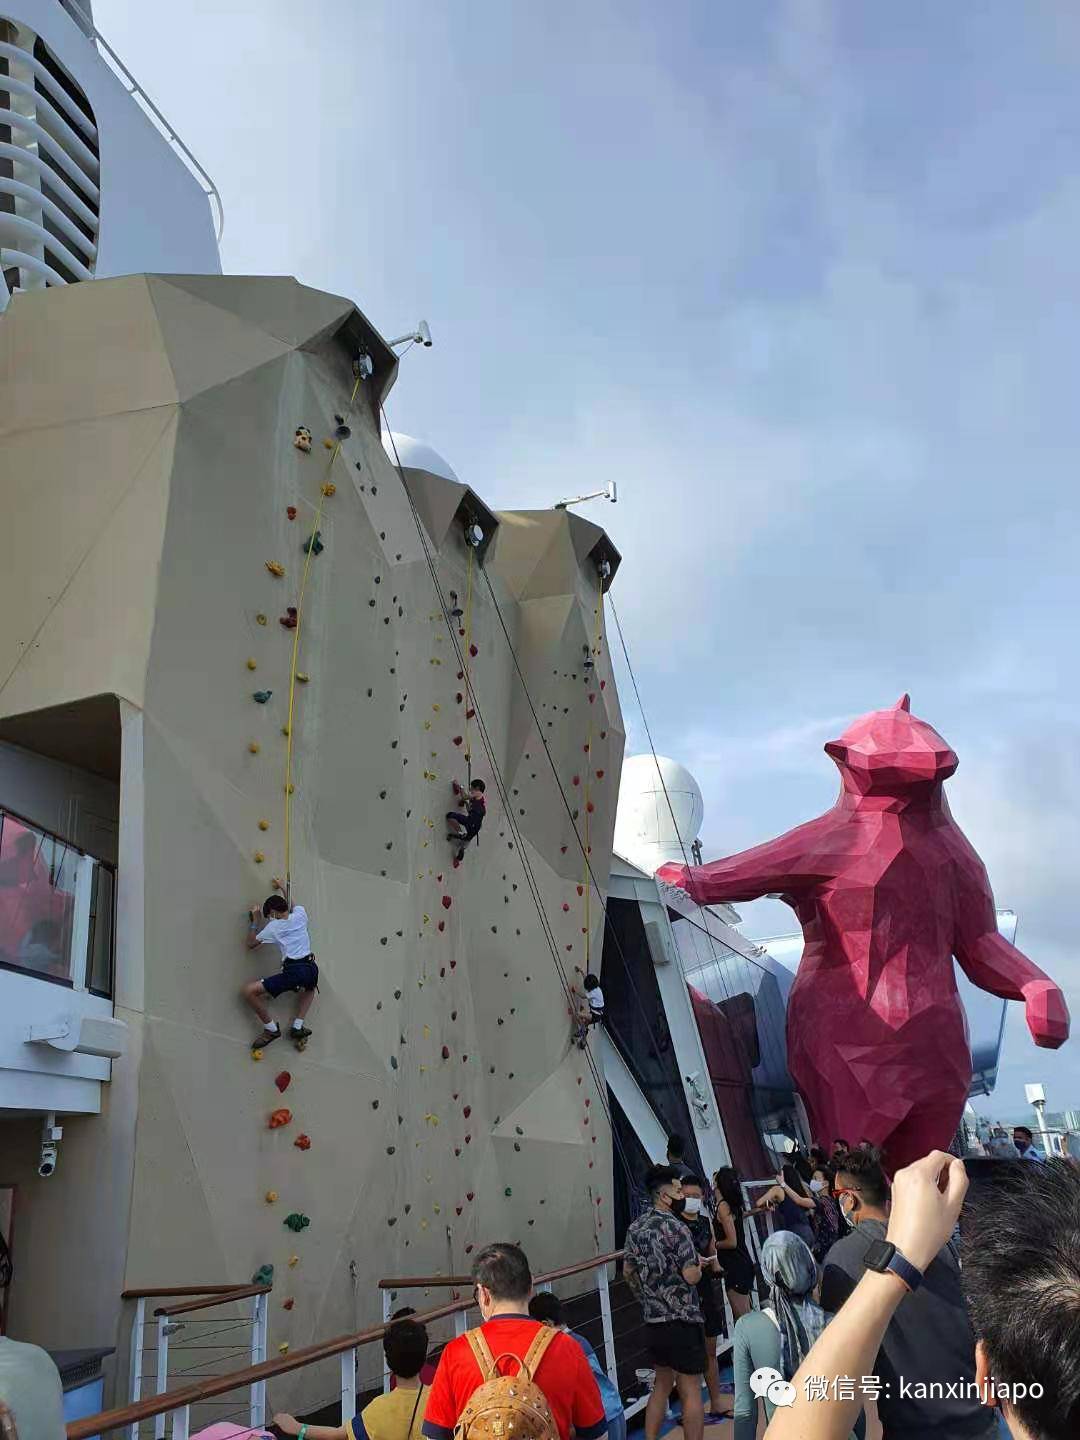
508	1407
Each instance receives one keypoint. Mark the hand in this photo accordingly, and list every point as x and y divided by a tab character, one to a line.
779	1178
287	1424
254	913
926	1201
1047	1014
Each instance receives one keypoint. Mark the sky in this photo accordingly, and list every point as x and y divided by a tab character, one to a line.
800	276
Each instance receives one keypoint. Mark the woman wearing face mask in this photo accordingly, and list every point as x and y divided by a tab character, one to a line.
739	1270
697	1220
826	1221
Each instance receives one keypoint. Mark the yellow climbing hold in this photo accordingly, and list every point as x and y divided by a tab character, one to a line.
423	1224
260	619
427	1028
256	1054
437	1209
328	444
264	824
289	789
301	678
435	708
294	1260
283	1348
276	568
427	921
253	747
271	1197
285	729
427	724
329	489
252	664
431	1119
258	857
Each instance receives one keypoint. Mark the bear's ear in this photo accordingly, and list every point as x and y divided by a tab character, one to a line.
837	750
904	703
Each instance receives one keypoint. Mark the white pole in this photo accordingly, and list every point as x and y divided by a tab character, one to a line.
163	1329
135	1378
387	1311
181	1423
348	1386
605	1319
257	1396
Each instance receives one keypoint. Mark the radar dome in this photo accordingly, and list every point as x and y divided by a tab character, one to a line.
416	455
645	833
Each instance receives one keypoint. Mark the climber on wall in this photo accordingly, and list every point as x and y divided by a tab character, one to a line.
465	824
287	927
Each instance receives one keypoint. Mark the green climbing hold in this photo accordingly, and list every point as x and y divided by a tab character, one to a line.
263	1276
296	1222
262	696
313	545
508	1192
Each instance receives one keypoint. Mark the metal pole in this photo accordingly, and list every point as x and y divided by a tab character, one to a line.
181	1423
163	1329
605	1319
135	1378
387	1311
257	1394
461	1322
348	1386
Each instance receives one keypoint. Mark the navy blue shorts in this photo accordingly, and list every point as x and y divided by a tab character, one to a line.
294	975
471	827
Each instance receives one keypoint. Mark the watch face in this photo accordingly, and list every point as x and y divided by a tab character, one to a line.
879	1255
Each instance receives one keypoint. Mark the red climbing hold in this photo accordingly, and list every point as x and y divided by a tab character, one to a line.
470	1197
279	1118
565	906
562	849
473	651
458	1209
589	806
599	774
442	924
438	879
446	902
283	1081
588	1102
302	1142
288	1304
446	1052
290	511
587	747
469	714
468	1249
581	889
457	739
603	684
576	780
467	1111
592	697
459	697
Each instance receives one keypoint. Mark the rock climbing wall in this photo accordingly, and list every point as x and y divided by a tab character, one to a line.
265	602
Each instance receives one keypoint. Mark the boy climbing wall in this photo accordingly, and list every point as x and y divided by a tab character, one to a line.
287	927
465	824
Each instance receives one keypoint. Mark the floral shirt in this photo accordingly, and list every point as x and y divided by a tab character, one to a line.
658	1247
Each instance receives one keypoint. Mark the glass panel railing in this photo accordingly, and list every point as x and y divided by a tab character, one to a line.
56	908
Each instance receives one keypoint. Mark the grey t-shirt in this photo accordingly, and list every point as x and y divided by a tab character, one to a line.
30	1387
929	1341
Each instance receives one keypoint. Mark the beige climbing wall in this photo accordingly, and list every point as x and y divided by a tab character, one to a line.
444	1102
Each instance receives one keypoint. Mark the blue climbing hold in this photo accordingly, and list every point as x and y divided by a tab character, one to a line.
262	696
313	545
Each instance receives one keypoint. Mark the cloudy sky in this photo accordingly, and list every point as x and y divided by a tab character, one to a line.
801	276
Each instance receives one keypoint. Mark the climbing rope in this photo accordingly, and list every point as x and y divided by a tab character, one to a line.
594	654
467	659
325	491
545	924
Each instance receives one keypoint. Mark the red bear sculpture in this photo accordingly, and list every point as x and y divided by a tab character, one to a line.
887	889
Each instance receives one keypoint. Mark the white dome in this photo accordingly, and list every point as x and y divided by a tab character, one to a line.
416	455
644	831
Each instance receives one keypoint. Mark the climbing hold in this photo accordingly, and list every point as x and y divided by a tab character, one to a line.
342	432
285	730
296	1222
565	906
294	1260
256	1055
442	925
276	568
258	857
290	619
473	651
260	619
278	1118
508	1192
283	1080
283	1348
467	1111
261	696
302	439
302	1142
581	889
302	678
446	1052
576	780
457	739
264	824
288	1304
253	747
446	902
313	545
329	488
271	1199
589	806
328	444
263	1276
393	1062
289	789
252	664
392	1221
290	511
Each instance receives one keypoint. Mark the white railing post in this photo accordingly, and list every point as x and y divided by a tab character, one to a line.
257	1396
348	1386
181	1423
164	1329
387	1311
605	1320
461	1322
135	1378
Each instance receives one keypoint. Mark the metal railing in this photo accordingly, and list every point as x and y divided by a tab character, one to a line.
166	1325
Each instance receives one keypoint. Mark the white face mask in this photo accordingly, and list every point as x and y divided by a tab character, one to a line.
817	1184
693	1205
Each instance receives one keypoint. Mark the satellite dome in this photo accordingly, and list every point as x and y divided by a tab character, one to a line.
644	831
416	455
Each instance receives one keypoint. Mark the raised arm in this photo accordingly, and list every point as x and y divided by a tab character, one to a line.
789	865
994	964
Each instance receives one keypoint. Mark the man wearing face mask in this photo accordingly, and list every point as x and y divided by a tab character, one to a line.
929	1340
661	1267
696	1219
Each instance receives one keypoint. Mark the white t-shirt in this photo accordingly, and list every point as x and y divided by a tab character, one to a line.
30	1387
595	999
291	933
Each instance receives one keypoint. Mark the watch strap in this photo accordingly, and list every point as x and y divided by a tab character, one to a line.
910	1274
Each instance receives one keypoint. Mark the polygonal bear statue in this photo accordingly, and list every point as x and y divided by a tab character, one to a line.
887	889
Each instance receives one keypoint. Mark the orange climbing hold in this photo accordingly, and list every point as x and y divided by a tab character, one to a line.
279	1118
302	1142
329	489
276	568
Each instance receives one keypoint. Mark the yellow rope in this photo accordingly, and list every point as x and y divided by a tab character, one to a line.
468	658
587	879
296	653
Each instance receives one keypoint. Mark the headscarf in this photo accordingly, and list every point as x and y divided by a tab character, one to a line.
791	1274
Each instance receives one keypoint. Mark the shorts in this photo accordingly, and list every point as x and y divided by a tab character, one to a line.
740	1273
294	975
677	1345
711	1307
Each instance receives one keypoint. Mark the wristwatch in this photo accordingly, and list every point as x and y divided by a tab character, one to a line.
883	1256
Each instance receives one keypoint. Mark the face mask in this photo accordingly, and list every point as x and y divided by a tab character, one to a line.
817	1185
692	1205
678	1204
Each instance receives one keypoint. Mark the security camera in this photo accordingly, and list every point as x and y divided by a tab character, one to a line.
47	1163
423	333
51	1135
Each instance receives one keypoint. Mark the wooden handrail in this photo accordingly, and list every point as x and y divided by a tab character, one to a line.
213	1385
239	1292
160	1291
431	1282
